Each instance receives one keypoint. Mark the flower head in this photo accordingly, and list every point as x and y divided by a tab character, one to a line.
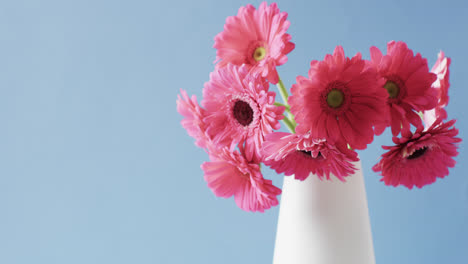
408	83
193	118
441	69
341	99
256	38
239	109
302	155
419	159
230	174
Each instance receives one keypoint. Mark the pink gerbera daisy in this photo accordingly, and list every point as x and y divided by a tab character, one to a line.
302	155
441	69
341	100
193	118
240	109
229	173
257	38
408	83
419	159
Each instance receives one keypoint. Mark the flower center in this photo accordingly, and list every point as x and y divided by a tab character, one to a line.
309	154
392	89
417	153
335	98
259	53
243	113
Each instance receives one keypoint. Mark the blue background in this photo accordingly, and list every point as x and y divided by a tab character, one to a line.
96	168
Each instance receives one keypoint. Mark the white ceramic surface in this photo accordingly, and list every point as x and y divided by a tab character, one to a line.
324	222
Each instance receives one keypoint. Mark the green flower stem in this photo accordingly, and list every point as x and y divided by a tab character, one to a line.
283	92
288	108
421	115
290	124
289	118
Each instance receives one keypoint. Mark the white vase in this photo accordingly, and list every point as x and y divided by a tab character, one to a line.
324	222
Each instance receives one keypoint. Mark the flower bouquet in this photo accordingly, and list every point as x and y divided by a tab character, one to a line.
334	111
